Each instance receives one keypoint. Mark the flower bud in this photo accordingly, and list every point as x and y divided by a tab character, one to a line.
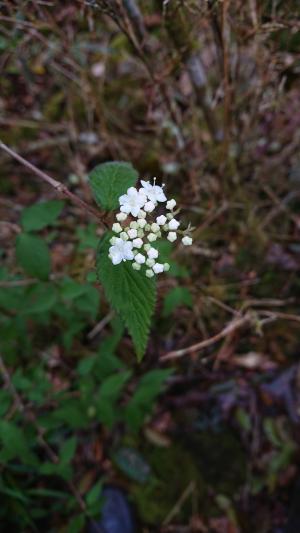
172	236
116	227
150	262
134	225
152	237
140	259
154	227
171	204
187	241
121	217
152	253
174	224
158	268
132	233
137	243
161	220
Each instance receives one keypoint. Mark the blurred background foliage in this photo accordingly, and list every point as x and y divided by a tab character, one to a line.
206	96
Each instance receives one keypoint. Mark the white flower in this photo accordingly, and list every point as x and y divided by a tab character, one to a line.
153	192
152	253
158	268
140	259
149	273
116	227
121	251
121	217
147	247
161	220
152	237
137	243
141	214
113	240
132	201
141	223
172	236
166	267
187	241
154	227
133	225
173	224
171	204
132	233
150	262
136	266
149	206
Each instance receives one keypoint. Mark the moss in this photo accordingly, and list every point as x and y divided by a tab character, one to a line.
173	470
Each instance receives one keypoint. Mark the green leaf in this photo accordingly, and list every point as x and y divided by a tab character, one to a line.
93	496
76	525
176	297
38	298
68	450
110	180
129	292
142	402
14	443
108	395
40	215
33	255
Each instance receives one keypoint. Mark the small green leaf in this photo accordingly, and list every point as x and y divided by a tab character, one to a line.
33	255
141	403
110	180
14	443
108	395
68	450
76	525
38	299
93	496
130	293
40	215
176	297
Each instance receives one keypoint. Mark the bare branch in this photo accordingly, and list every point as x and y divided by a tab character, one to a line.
232	326
57	185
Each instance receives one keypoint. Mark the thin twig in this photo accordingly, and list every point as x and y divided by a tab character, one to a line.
57	185
232	326
99	327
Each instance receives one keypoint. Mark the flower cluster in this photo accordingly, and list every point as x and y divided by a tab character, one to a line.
133	240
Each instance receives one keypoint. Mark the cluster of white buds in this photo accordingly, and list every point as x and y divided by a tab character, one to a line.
137	227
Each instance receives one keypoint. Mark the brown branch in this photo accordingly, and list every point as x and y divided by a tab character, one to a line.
248	319
232	326
57	185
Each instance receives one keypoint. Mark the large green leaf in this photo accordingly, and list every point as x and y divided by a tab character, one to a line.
110	180
130	293
33	255
40	215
